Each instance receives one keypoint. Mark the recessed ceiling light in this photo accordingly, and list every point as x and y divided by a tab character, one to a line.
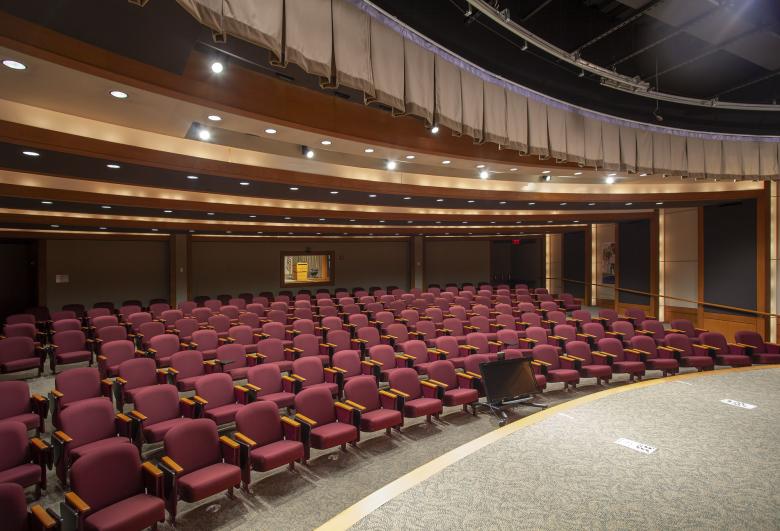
287	217
435	129
369	150
345	233
609	180
372	195
470	201
217	67
643	175
438	222
252	216
259	232
214	117
577	173
308	153
289	233
47	202
446	162
546	172
14	65
446	233
31	153
352	220
334	192
492	222
549	222
484	174
370	233
322	219
192	177
407	197
591	204
629	204
106	207
512	169
210	213
480	166
294	188
381	221
518	221
271	131
440	200
576	221
244	183
229	231
464	222
102	228
113	166
391	165
204	134
55	226
502	202
470	233
191	230
564	204
660	203
325	142
317	233
155	230
531	204
118	94
410	221
410	157
168	211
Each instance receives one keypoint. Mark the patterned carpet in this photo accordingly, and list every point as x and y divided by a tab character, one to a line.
716	466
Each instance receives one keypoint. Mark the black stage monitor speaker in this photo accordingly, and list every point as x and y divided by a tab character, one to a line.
506	380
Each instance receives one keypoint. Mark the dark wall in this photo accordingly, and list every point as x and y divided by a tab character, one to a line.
18	277
573	266
528	262
729	259
633	260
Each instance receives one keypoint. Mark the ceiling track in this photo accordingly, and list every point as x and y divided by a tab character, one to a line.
610	78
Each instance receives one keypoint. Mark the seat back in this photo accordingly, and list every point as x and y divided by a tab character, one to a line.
609	314
580	349
536	333
644	343
130	309
556	317
654	326
594	329
94	313
613	346
158	308
158	403
443	371
398	330
194	445
418	350
187	306
165	345
260	422
625	328
317	404
109	334
20	330
14	398
748	337
66	324
201	315
234	353
274	329
213	304
217	388
69	341
303	313
242	334
139	372
459	312
102	321
479	340
186	326
267	377
272	349
78	384
304	326
508	337
471	363
251	319
686	326
454	324
340	338
532	318
170	316
332	323
220	323
548	306
546	353
15	445
680	341
384	354
582	315
405	380
426	327
237	302
138	318
481	322
567	331
363	390
359	320
636	313
205	339
88	421
349	360
188	363
256	308
507	321
309	343
310	368
385	318
717	340
16	348
151	330
107	476
370	334
13	507
504	309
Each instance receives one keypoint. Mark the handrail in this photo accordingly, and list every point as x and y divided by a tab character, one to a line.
648	294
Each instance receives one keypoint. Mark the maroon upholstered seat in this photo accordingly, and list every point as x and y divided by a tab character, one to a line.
266	440
22	461
157	410
16	404
459	388
133	375
20	354
621	361
329	423
266	382
419	398
13	507
184	328
654	329
163	346
186	367
310	374
685	326
148	331
232	359
755	346
66	324
75	385
724	353
654	357
378	409
688	355
112	354
69	346
308	345
589	365
221	400
198	463
554	367
275	354
385	361
206	341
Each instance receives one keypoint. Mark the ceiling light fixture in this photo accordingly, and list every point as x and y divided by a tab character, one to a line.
192	177
209	213
643	175
106	207
294	188
368	150
502	202
204	134
577	173
244	183
564	204
410	157
325	142
334	192
591	204
629	204
271	131
113	166
391	164
446	162
484	174
214	117
287	217
55	226
609	180
531	204
118	94
252	216
546	172
372	195
31	153
168	211
47	202
307	152
660	203
440	200
470	201
435	129
512	169
217	67
102	228
480	166
407	198
14	65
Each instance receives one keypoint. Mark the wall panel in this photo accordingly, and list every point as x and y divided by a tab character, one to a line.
456	261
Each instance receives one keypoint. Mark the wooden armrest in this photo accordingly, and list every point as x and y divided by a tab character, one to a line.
187	401
387	394
123	417
252	387
171	464
426	383
297	377
244	439
200	400
440	384
541	362
330	370
306	419
227	441
171	370
120	380
291	422
706	347
557	337
151	468
355	405
339	369
45	520
64	437
343	406
288	379
38	443
744	345
57	394
400	393
472	374
599	354
137	414
240	388
75	502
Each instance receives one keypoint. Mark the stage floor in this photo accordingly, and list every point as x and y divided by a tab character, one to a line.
716	466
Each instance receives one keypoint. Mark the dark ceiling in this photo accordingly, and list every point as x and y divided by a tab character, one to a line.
162	34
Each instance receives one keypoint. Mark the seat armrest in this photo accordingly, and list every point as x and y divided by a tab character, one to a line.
230	452
431	390
292	429
77	504
43	519
153	479
306	420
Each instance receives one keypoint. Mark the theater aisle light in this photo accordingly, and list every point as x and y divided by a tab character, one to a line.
14	65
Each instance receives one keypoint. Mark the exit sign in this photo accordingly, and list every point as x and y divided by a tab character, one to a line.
515	242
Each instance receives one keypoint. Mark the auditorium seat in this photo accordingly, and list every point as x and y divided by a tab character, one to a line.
453	326
636	316
136	319
418	355
459	387
219	397
266	382
308	345
75	385
386	361
157	410
148	331
169	317
589	365
201	315
266	440
23	461
329	423
654	358
13	507
654	329
688	355
186	367
555	368
187	306
606	317
24	330
275	353
133	375
621	361
19	354
624	331
243	335
420	398
65	324
724	353
760	351
220	324
348	365
310	374
207	342
233	360
18	405
198	463
275	330
69	347
184	328
685	326
162	347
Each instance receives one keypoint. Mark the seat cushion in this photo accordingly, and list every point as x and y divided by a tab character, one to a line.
156	432
332	387
563	375
597	371
20	365
281	399
137	512
662	364
74	357
31	420
629	367
187	384
458	361
701	362
734	360
284	366
460	396
209	354
384	375
422	406
223	414
541	381
332	434
24	475
75	453
766	358
276	454
379	419
239	373
208	480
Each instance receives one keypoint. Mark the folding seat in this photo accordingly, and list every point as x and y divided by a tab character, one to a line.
623	330
231	312
108	334
510	342
760	351
428	297
276	316
322	293
265	381
213	305
503	309
303	295
684	326
18	405
232	359
198	463
397	307
148	331
279	306
238	303
205	341
157	308
243	335
63	314
328	423
385	360
622	361
564	333
135	320
308	345
24	330
441	303
359	292
534	336
187	307
274	330
348	365
309	374
690	355
525	299
219	398
21	354
338	340
133	375
545	297
529	319
186	367
555	318
18	318
592	333
74	386
379	409
547	307
266	440
256	308
327	311
383	319
368	336
506	322
87	426
655	358
569	303
169	317
69	347
263	298
275	354
16	517
365	299
452	326
460	388
378	293
407	298
653	328
451	288
105	304
419	398
606	317
555	368
302	313
24	460
478	343
162	347
419	356
330	323
201	315
636	316
580	317
589	364
102	321
158	409
220	324
723	352
472	368
184	328
127	310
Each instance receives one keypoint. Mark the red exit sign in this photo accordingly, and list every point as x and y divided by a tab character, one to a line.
515	242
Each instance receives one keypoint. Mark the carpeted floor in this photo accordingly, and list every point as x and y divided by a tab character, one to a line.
716	466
